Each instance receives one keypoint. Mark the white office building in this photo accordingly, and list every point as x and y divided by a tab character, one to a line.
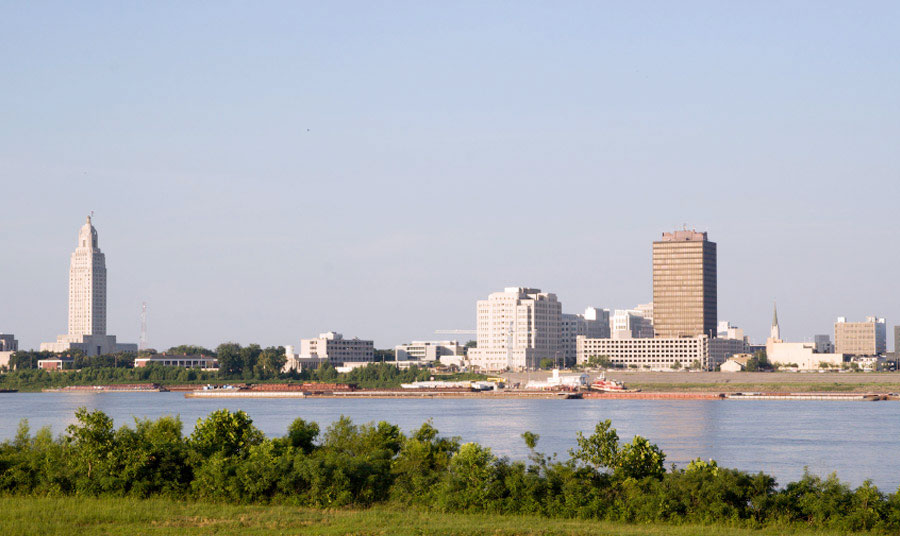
87	301
634	323
517	328
661	353
446	352
593	323
331	347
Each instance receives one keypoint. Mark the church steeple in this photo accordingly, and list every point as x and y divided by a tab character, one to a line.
775	332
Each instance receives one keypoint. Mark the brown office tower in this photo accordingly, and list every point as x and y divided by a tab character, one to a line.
684	285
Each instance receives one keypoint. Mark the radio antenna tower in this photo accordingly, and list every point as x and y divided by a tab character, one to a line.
143	343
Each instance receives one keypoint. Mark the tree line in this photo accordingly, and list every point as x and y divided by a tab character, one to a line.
227	458
236	364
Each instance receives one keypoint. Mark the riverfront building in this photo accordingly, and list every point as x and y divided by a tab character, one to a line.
447	352
189	361
87	301
684	285
860	338
647	353
662	353
799	355
331	347
517	328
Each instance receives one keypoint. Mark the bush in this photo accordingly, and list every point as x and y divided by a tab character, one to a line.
227	458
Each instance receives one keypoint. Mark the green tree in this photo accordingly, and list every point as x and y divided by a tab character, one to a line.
638	459
249	358
270	362
231	434
302	435
230	359
190	349
92	438
599	361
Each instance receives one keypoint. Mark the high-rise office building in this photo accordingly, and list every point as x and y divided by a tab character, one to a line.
517	328
684	285
87	301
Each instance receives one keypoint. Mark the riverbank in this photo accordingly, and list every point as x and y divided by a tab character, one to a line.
20	516
711	383
506	394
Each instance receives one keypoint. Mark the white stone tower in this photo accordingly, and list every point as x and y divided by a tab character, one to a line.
87	301
87	285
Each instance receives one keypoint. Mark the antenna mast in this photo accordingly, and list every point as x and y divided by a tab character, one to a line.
143	343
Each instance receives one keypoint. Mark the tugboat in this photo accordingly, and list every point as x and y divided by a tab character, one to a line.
602	384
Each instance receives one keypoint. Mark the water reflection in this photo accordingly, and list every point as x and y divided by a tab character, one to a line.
856	439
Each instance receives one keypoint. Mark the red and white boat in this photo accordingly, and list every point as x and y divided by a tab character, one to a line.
602	384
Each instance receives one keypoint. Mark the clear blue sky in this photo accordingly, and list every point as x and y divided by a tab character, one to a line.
261	172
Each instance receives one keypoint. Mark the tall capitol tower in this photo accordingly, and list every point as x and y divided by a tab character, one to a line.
87	285
87	301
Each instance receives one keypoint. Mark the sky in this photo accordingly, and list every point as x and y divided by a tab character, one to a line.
266	171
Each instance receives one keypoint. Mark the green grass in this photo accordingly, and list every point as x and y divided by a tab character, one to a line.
71	516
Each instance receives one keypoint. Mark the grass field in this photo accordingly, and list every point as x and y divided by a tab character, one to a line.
72	516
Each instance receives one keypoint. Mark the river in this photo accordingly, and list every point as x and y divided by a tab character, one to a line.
857	440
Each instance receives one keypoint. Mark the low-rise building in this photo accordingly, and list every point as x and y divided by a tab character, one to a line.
801	355
870	363
736	363
89	345
660	353
5	358
429	351
331	347
57	363
187	361
722	348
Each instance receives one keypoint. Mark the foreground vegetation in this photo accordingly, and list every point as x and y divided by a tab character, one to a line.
126	517
226	459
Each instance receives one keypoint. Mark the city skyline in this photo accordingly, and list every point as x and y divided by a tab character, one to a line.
87	241
265	173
